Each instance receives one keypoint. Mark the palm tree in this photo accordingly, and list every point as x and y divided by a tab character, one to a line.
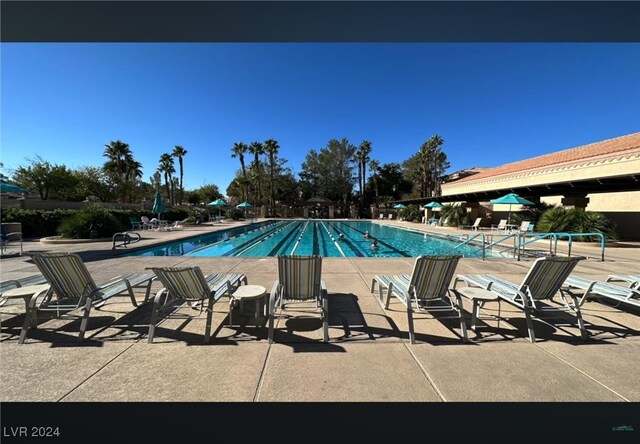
374	166
362	158
239	150
257	150
179	153
166	167
271	147
119	157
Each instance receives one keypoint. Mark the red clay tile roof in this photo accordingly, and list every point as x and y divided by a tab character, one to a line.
598	149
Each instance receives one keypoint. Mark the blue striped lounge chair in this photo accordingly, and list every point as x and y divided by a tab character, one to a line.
428	283
604	291
72	287
189	285
17	283
543	281
632	279
299	280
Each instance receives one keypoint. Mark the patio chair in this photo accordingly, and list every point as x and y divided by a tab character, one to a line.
381	216
179	224
632	279
523	228
543	281
475	226
72	287
10	231
188	284
502	226
428	282
299	280
604	291
390	216
136	224
148	224
16	283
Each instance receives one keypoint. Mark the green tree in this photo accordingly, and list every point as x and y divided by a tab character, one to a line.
374	166
427	167
45	178
239	150
361	158
94	181
123	169
390	182
167	168
257	149
179	153
208	193
271	147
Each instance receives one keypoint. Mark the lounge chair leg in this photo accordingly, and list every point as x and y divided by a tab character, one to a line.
272	302
85	318
532	336
207	332
373	285
475	311
583	330
412	335
154	315
463	325
325	320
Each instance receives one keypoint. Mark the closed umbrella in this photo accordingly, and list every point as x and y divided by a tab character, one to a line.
158	204
511	199
218	203
6	187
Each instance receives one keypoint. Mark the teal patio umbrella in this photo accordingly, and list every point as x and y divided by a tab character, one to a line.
158	204
218	203
399	207
433	205
244	206
511	199
6	187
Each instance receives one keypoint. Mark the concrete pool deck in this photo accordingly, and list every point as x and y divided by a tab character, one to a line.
368	358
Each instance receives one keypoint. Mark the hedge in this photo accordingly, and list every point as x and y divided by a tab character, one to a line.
42	223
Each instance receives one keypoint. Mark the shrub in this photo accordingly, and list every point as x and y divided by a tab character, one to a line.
37	223
531	214
234	213
91	218
411	213
455	215
575	220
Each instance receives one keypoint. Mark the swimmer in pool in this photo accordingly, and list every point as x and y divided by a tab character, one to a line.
366	235
374	244
341	237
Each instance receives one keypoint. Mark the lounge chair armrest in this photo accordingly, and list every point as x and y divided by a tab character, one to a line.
323	289
275	288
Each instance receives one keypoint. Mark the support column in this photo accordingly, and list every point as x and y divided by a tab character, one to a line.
475	206
427	214
579	202
263	212
305	212
331	210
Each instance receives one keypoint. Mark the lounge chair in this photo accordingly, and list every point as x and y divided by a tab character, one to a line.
502	226
543	281
22	282
299	280
604	290
136	224
188	284
523	228
10	231
632	279
428	282
148	224
179	224
390	216
475	226
74	288
381	216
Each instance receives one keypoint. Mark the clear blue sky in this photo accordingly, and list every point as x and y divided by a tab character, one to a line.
491	103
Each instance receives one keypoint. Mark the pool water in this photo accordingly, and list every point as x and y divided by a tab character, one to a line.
308	237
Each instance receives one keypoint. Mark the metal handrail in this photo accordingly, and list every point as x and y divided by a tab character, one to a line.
126	239
554	237
469	239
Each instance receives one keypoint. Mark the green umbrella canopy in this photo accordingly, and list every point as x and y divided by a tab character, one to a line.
218	203
6	187
245	205
158	204
511	199
399	207
433	205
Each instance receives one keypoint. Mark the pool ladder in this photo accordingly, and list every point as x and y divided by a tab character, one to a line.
125	238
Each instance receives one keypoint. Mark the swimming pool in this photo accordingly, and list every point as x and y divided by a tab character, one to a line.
305	237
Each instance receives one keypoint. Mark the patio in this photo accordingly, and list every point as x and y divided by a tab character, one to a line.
368	358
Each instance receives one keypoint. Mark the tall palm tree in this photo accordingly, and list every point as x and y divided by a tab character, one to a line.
179	153
239	150
257	150
365	150
167	168
271	147
119	157
374	166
